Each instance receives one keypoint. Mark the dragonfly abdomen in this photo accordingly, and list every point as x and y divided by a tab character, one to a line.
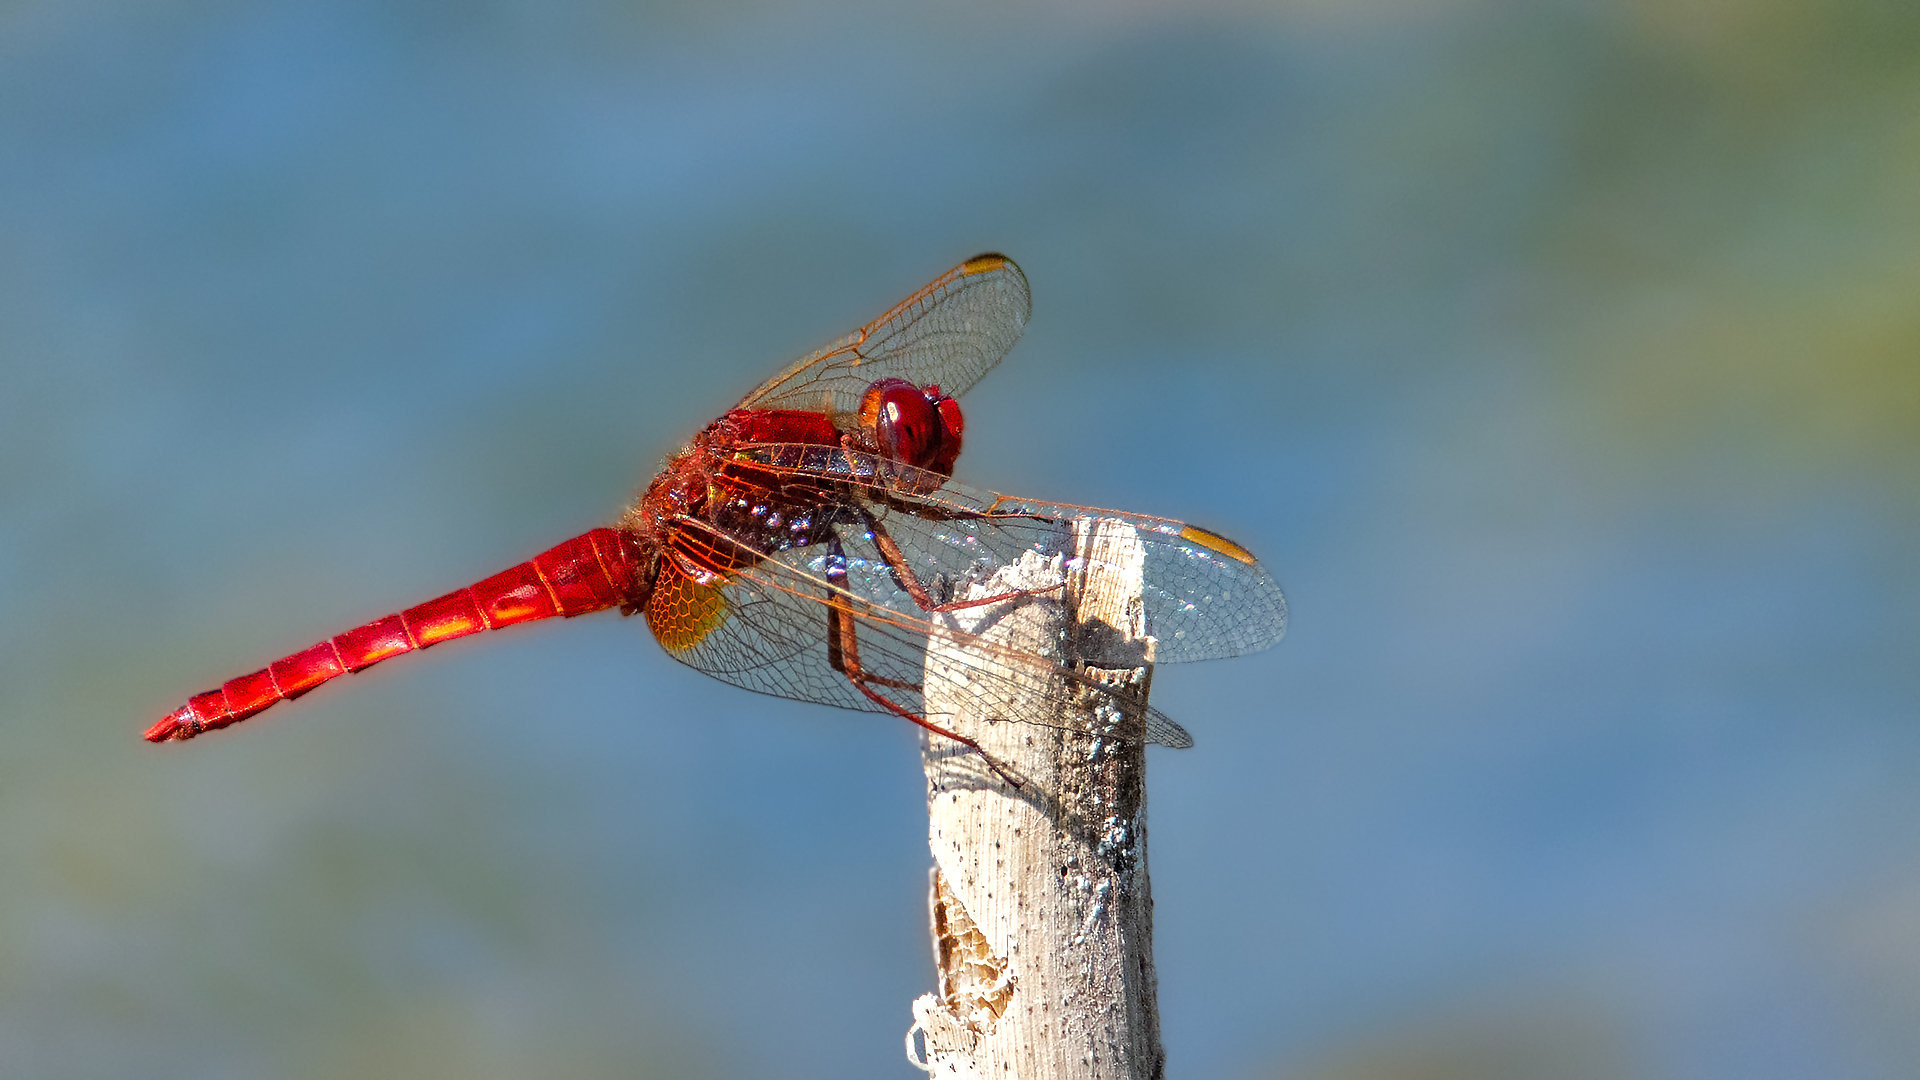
591	572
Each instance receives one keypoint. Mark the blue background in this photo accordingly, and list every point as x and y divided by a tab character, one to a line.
1562	359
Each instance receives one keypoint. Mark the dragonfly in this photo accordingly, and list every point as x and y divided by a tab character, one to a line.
809	542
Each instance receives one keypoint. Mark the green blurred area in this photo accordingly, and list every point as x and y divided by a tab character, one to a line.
1739	239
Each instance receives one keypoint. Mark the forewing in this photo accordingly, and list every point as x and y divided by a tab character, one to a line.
774	641
1206	596
950	334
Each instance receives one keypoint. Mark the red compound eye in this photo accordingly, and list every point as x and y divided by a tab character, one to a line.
912	426
951	424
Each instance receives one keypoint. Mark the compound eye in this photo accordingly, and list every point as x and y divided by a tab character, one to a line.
951	423
906	424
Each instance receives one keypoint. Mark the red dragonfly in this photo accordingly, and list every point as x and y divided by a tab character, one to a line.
804	544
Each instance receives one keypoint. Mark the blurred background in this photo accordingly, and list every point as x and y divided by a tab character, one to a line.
1562	359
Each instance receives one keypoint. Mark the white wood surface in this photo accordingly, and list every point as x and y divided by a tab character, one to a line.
1041	910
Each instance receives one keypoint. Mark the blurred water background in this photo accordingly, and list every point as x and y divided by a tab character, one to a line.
1563	359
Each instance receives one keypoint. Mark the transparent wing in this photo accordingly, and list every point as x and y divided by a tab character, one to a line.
950	333
774	640
1206	596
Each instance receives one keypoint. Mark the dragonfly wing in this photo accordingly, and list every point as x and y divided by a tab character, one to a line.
950	334
774	640
1206	596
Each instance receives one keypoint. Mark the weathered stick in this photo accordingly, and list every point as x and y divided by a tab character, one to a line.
1042	916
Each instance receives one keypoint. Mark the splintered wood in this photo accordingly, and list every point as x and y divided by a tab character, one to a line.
1041	911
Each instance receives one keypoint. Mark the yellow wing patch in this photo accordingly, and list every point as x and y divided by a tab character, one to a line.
1216	542
682	612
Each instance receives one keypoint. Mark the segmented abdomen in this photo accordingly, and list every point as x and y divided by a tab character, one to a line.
588	573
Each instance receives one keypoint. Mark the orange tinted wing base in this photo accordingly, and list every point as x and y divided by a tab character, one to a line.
682	612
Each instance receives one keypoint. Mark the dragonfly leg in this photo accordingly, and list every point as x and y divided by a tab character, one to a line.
843	653
840	640
903	574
